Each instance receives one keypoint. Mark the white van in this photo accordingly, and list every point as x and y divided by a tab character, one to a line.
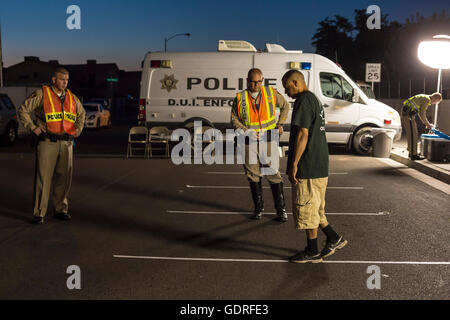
180	87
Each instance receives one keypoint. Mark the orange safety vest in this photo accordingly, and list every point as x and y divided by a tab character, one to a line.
60	118
264	119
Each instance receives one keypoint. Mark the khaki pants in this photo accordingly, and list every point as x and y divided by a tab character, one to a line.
53	167
253	171
412	134
308	203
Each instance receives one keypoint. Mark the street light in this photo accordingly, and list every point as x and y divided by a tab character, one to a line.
436	54
167	39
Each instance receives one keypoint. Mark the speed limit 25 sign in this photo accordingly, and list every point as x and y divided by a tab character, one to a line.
373	72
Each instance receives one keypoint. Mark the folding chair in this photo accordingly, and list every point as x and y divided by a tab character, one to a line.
137	135
159	135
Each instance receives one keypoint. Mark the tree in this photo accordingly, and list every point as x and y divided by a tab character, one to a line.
394	45
333	39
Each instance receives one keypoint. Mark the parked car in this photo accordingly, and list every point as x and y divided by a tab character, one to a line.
103	102
96	116
8	120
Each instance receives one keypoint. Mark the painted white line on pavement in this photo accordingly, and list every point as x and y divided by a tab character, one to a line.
274	213
242	173
435	183
246	187
282	260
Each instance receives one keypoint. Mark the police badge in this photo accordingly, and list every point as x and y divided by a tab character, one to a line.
169	82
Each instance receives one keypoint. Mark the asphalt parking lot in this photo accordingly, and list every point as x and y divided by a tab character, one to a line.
148	229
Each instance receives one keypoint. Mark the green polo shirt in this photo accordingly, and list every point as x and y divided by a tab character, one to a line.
308	113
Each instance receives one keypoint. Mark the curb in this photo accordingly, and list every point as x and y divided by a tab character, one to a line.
424	167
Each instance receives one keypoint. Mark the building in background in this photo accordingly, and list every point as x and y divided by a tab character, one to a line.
90	80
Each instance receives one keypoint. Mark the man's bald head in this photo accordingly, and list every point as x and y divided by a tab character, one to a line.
254	71
293	75
254	80
294	83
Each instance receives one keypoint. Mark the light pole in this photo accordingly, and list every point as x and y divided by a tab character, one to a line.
167	39
435	54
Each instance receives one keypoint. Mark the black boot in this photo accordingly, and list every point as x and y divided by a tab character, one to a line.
256	189
278	198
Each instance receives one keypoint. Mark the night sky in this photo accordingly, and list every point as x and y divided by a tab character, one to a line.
123	31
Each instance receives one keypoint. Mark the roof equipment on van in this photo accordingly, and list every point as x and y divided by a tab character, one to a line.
306	65
161	64
294	65
235	45
299	65
274	48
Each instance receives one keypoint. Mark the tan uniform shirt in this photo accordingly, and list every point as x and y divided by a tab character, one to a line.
35	103
424	103
280	102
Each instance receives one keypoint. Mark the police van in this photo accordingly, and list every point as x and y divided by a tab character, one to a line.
178	88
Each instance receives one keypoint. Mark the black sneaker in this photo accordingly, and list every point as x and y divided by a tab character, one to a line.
256	216
331	247
62	216
282	216
37	220
305	257
417	157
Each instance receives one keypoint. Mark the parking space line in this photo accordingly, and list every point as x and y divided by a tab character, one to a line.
246	187
274	213
242	173
435	183
281	260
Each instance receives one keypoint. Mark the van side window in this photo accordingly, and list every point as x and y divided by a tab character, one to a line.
334	86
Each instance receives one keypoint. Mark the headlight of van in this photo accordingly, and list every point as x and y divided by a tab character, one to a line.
92	117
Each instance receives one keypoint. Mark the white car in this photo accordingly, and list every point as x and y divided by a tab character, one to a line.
96	116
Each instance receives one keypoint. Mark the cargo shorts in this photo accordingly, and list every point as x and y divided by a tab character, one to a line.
308	203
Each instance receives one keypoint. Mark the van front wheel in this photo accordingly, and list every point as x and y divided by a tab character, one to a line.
362	140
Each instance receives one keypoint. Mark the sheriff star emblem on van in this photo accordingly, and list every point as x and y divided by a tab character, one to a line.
169	82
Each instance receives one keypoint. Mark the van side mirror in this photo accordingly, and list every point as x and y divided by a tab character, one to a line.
355	96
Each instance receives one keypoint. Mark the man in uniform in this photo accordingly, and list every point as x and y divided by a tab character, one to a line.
254	109
308	169
417	105
59	119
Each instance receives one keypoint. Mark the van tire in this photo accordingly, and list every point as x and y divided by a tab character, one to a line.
362	140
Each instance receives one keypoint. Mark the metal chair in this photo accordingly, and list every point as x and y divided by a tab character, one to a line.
137	135
159	135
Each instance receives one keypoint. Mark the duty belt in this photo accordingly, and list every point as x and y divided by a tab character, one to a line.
55	137
408	110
